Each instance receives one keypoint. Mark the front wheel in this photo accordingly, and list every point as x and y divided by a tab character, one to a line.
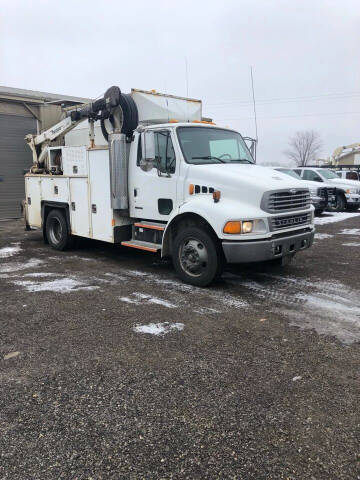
340	204
197	257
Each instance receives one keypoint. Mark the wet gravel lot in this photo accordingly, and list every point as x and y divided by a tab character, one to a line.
110	367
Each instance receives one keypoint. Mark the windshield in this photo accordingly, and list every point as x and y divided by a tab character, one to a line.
290	172
202	145
328	174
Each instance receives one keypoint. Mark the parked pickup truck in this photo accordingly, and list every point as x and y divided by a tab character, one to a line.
320	196
347	191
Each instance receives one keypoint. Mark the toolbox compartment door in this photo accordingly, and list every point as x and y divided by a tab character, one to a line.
79	207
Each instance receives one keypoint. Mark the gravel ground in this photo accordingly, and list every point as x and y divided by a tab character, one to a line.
110	367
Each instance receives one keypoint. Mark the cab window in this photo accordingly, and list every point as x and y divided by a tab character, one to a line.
311	175
164	152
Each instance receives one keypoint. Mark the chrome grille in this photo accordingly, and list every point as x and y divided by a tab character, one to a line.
286	200
322	192
278	223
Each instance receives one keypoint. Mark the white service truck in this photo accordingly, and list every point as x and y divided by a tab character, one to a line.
145	171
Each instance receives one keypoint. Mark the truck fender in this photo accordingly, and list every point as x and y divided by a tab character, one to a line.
186	210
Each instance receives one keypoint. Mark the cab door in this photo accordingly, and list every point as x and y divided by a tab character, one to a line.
153	193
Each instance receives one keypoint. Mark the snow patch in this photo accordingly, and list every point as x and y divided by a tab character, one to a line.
331	308
296	378
321	236
206	310
350	231
129	300
141	298
6	252
335	217
39	274
351	244
64	285
158	328
16	266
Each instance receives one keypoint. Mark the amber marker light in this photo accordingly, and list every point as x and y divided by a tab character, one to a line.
232	227
191	189
216	196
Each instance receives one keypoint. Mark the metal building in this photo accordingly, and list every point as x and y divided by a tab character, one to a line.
22	112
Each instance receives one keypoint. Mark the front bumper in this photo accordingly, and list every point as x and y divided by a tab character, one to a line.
319	202
353	198
269	249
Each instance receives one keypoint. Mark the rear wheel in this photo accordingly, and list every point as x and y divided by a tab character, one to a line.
197	257
57	231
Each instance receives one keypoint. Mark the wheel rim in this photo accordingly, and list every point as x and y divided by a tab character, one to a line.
193	257
56	231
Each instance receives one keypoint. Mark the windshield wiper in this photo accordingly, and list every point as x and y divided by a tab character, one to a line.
241	160
209	157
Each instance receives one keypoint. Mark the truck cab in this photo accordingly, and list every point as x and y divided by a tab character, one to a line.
189	190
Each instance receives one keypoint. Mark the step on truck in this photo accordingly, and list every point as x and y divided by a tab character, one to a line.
145	171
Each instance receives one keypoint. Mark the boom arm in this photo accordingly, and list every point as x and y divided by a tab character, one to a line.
99	109
44	139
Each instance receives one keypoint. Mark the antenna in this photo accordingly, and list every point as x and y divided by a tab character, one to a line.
166	100
187	77
253	96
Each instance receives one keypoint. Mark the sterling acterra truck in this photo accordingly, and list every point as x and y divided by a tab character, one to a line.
145	171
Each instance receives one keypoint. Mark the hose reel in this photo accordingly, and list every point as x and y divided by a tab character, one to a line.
116	111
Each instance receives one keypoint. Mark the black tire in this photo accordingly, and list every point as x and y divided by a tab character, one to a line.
319	211
340	203
57	230
197	257
130	116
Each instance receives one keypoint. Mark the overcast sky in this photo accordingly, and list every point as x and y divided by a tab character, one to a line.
305	58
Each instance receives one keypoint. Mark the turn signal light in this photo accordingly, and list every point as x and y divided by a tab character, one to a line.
216	196
191	189
232	227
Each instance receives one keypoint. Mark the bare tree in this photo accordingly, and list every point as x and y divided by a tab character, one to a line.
304	147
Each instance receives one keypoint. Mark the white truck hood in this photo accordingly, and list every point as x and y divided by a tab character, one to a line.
311	184
227	177
344	182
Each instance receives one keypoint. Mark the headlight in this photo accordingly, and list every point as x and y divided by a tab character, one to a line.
247	226
313	191
237	227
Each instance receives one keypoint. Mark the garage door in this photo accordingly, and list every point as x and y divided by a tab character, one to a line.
15	158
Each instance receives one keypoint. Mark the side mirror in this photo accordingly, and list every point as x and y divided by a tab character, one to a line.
318	179
148	150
